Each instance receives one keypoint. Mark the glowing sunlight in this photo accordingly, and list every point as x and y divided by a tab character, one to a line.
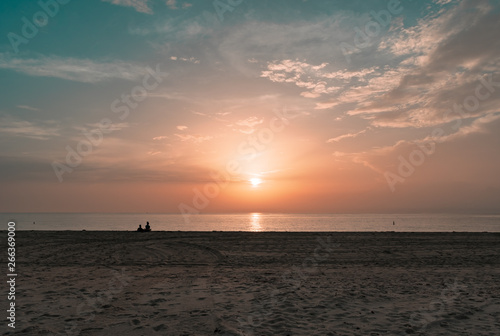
255	181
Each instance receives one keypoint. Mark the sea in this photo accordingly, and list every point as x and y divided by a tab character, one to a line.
253	222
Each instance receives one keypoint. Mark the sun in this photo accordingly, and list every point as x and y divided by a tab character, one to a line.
255	181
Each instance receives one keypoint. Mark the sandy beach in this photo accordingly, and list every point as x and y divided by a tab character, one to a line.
235	283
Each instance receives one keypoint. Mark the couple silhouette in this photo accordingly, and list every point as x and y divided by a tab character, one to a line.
146	229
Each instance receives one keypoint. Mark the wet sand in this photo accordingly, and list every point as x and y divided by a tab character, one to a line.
235	283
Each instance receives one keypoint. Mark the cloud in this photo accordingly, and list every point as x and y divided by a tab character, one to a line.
345	136
193	138
319	81
429	68
250	122
22	128
172	4
111	128
303	75
311	40
448	55
79	70
182	128
26	107
478	125
451	144
154	152
184	59
440	60
248	125
142	6
170	95
364	90
326	105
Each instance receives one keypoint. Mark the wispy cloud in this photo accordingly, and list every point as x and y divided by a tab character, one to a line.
26	107
442	2
479	125
381	159
440	62
346	136
172	4
248	125
444	57
316	78
79	70
184	59
141	6
312	41
112	128
22	128
301	74
193	138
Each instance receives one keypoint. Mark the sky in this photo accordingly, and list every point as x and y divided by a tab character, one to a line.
302	106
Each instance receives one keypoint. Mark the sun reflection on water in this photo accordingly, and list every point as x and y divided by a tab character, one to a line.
255	222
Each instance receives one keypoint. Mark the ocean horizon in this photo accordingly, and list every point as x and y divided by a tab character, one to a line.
255	222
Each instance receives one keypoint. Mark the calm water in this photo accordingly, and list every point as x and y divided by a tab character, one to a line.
254	222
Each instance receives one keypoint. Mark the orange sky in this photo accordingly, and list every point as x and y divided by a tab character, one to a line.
177	109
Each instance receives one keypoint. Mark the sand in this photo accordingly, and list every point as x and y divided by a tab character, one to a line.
214	283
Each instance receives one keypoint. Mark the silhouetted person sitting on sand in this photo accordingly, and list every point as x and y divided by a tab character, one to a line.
148	228
140	229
